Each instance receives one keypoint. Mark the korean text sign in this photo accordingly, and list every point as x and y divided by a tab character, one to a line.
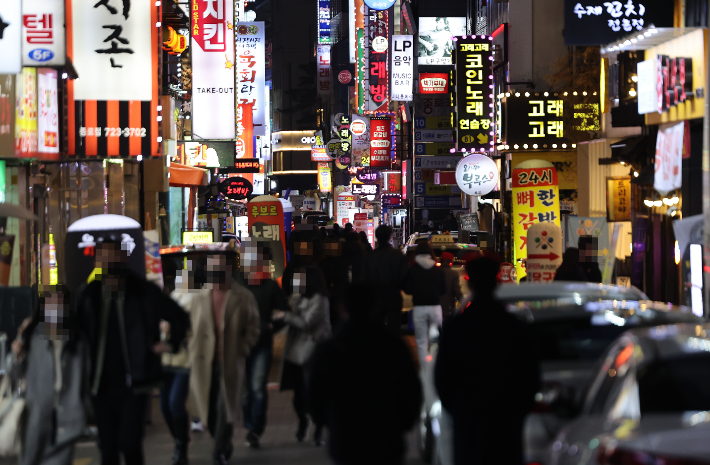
26	114
618	198
536	199
474	96
235	188
325	181
325	79
366	189
476	174
380	142
535	120
245	132
433	83
48	112
378	38
402	68
544	252
266	225
43	33
251	71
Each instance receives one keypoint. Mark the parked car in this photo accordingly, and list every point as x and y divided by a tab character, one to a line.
648	402
570	339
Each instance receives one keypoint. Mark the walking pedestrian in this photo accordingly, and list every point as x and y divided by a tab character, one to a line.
309	323
365	369
256	277
120	315
488	411
364	241
384	271
225	319
426	283
52	357
453	295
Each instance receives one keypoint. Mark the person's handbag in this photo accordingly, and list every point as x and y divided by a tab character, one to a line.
12	406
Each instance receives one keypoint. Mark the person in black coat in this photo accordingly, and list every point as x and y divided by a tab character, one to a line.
120	313
364	387
570	268
487	374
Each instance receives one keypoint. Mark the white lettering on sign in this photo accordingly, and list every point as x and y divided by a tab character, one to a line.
626	16
269	232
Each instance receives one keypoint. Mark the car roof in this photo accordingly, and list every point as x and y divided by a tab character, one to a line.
606	312
673	340
563	289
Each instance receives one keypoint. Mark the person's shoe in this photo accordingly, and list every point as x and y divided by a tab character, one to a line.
302	430
197	426
221	460
318	437
252	440
181	427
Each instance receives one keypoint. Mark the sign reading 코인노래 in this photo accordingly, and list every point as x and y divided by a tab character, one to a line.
197	237
476	174
474	98
402	71
435	38
43	33
618	198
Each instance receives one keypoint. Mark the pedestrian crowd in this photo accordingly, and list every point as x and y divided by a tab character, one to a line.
206	341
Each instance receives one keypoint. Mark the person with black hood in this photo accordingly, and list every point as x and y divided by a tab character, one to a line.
120	312
426	283
364	369
570	268
487	385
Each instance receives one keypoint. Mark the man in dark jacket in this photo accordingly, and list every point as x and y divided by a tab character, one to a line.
383	271
487	374
453	292
361	370
120	315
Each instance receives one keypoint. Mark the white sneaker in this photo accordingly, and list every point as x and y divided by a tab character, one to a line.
197	426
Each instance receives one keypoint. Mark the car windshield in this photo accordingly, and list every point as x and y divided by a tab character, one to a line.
679	384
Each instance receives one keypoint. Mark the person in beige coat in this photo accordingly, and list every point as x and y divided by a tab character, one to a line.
225	327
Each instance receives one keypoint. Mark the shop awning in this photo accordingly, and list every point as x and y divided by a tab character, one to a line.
187	176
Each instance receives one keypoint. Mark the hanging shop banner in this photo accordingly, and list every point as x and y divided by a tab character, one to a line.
474	98
366	189
212	69
245	131
48	112
536	199
110	47
433	83
436	42
599	23
669	158
324	22
380	142
544	252
6	245
325	80
360	129
476	174
618	198
11	37
402	68
7	115
43	33
442	162
251	71
206	153
266	225
236	188
378	38
26	114
535	122
325	178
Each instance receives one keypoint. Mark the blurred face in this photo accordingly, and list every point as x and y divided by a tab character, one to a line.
256	263
332	249
219	273
299	281
111	259
53	311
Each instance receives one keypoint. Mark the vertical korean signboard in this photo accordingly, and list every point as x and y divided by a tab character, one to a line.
536	199
474	96
7	117
325	181
618	198
245	132
669	158
47	112
112	109
380	142
212	69
251	71
266	226
325	81
378	60
402	68
26	114
43	33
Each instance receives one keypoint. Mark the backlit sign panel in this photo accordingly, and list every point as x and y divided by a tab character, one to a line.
402	68
436	43
197	237
251	71
536	122
380	141
433	83
43	33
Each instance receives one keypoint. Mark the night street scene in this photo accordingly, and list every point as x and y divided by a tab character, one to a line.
354	232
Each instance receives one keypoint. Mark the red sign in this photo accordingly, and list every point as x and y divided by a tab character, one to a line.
345	77
247	166
380	142
433	83
245	131
404	179
534	177
265	216
507	273
360	217
445	178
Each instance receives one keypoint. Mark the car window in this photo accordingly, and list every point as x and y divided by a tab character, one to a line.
676	385
613	373
580	338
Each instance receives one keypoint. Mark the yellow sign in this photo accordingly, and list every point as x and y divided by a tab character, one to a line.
325	181
564	162
197	237
442	239
434	189
618	198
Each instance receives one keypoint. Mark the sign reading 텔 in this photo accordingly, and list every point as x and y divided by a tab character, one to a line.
251	72
236	188
433	83
669	158
43	33
402	68
380	141
212	54
11	37
536	122
474	97
618	198
476	174
325	82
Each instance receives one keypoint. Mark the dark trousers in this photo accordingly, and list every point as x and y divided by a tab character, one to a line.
119	417
391	307
217	424
256	400
300	393
173	395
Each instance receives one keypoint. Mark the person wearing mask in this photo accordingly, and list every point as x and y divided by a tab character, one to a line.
364	369
488	411
426	283
453	295
588	253
308	323
256	277
53	358
225	328
120	314
364	241
384	271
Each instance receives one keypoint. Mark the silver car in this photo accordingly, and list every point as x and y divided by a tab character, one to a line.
570	338
649	402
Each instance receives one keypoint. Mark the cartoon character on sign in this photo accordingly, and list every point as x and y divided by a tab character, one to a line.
544	252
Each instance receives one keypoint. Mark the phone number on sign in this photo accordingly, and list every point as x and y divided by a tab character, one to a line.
111	132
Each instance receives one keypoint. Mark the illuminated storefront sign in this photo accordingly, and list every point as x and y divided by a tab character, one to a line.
43	33
476	174
433	83
26	114
378	39
11	37
474	97
325	79
402	68
247	166
618	198
245	132
535	122
236	188
324	22
251	72
47	112
325	178
366	189
380	141
436	35
197	237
